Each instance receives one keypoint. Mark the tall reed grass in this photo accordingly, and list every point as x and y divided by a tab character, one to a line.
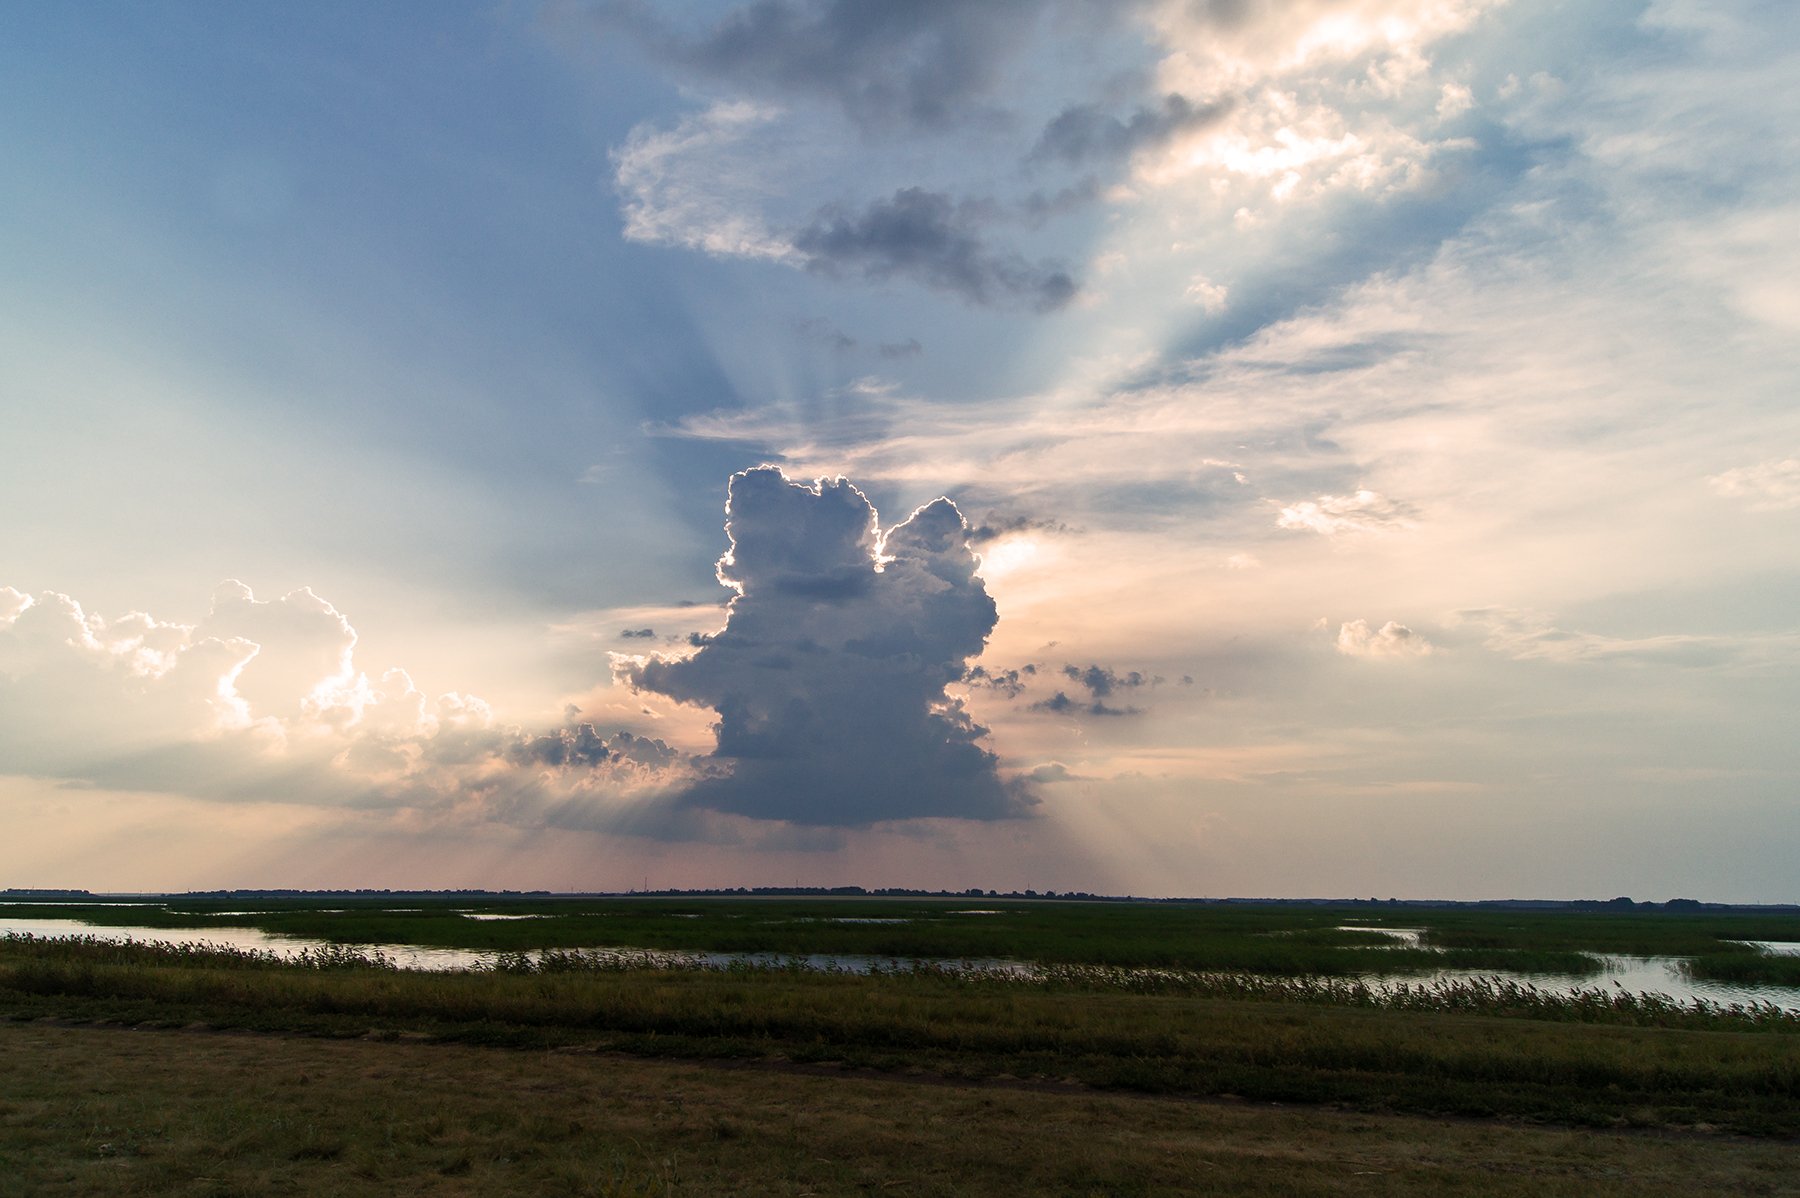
1478	996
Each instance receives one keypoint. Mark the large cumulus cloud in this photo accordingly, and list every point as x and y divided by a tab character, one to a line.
829	677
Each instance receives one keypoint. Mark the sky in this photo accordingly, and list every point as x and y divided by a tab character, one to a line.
1166	447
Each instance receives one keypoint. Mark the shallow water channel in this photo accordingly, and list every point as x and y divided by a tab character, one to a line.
1642	975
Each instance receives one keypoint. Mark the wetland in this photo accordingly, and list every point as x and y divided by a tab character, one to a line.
1509	1017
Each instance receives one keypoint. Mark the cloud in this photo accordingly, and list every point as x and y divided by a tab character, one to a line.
1337	515
1061	704
1217	44
821	331
1052	772
829	675
1085	132
704	184
1102	682
922	236
1391	640
1208	296
580	745
1057	704
263	700
994	527
1530	636
302	662
695	186
915	65
1771	486
1011	683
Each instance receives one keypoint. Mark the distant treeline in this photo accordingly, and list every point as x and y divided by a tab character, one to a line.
1672	906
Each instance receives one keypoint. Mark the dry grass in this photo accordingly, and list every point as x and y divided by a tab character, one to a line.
86	1110
1268	1046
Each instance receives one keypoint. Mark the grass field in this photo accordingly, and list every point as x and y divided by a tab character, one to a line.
1609	1062
106	1111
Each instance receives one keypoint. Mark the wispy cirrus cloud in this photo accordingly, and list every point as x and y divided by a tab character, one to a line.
1532	636
697	186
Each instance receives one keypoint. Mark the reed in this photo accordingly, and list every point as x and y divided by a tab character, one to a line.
1770	969
1269	940
1481	1047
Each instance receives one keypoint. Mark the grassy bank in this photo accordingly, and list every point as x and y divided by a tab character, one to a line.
90	1111
1495	1053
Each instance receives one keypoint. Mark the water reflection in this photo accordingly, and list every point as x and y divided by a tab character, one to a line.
407	956
1641	975
1636	975
1775	948
1400	937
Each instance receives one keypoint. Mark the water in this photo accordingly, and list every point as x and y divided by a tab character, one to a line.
407	956
1401	937
1641	975
1637	975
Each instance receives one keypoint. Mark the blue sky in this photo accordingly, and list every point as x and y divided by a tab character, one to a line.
1373	421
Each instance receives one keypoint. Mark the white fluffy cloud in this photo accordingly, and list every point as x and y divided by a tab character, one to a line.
1391	641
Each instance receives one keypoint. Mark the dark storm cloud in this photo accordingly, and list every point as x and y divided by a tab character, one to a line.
1086	133
927	64
829	674
922	236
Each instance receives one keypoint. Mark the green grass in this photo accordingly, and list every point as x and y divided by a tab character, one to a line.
1770	969
1466	1050
1271	940
1625	933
